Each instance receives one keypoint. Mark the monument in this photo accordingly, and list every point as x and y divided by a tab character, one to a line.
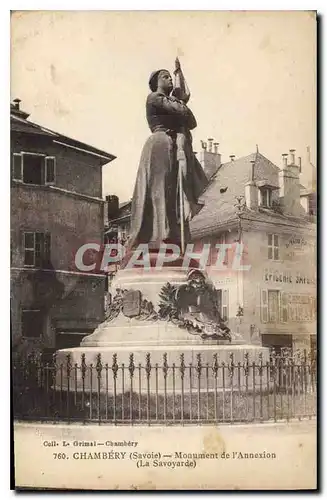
164	305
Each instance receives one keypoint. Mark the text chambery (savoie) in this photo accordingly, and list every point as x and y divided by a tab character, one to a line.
156	459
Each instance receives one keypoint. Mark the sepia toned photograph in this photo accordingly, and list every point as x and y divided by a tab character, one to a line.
163	252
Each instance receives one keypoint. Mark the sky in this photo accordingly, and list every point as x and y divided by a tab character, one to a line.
252	77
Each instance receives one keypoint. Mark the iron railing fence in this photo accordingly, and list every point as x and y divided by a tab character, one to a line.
281	387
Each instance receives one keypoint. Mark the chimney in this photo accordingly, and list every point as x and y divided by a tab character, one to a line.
112	203
232	157
209	159
300	163
251	190
296	169
292	155
16	111
17	103
289	187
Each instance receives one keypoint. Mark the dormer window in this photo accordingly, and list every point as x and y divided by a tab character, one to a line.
309	202
265	197
266	188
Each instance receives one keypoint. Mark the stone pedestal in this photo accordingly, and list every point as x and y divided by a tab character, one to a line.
165	356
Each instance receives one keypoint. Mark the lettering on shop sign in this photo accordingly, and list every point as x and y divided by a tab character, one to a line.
300	307
296	242
287	277
224	281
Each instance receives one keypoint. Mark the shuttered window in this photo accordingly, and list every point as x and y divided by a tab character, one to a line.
225	305
17	167
274	306
33	168
37	249
264	306
284	307
50	169
273	247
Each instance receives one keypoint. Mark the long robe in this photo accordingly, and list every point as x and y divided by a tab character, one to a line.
155	216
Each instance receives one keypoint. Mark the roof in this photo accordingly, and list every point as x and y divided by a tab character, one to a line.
219	209
123	215
270	217
124	204
18	124
307	192
15	109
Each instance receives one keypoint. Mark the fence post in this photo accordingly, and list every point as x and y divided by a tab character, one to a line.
114	368
99	372
165	372
246	367
260	372
231	382
215	373
131	368
273	372
182	372
83	372
199	370
148	373
54	369
68	372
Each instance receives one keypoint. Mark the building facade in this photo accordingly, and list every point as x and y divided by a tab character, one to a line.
272	300
56	207
268	215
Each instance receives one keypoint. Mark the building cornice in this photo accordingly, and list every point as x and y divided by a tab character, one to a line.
56	271
59	190
250	222
253	224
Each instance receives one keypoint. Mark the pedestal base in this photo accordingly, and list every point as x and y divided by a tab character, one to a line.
148	354
159	368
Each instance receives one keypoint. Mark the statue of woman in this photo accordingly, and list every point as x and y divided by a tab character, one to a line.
155	215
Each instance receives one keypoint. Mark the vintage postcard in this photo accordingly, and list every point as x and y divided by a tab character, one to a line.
163	249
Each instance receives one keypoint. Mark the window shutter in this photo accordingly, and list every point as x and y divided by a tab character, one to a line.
50	169
284	308
264	306
276	247
270	246
47	248
219	301
17	167
225	301
39	241
29	249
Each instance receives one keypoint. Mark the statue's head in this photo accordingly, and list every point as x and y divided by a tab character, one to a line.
161	79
